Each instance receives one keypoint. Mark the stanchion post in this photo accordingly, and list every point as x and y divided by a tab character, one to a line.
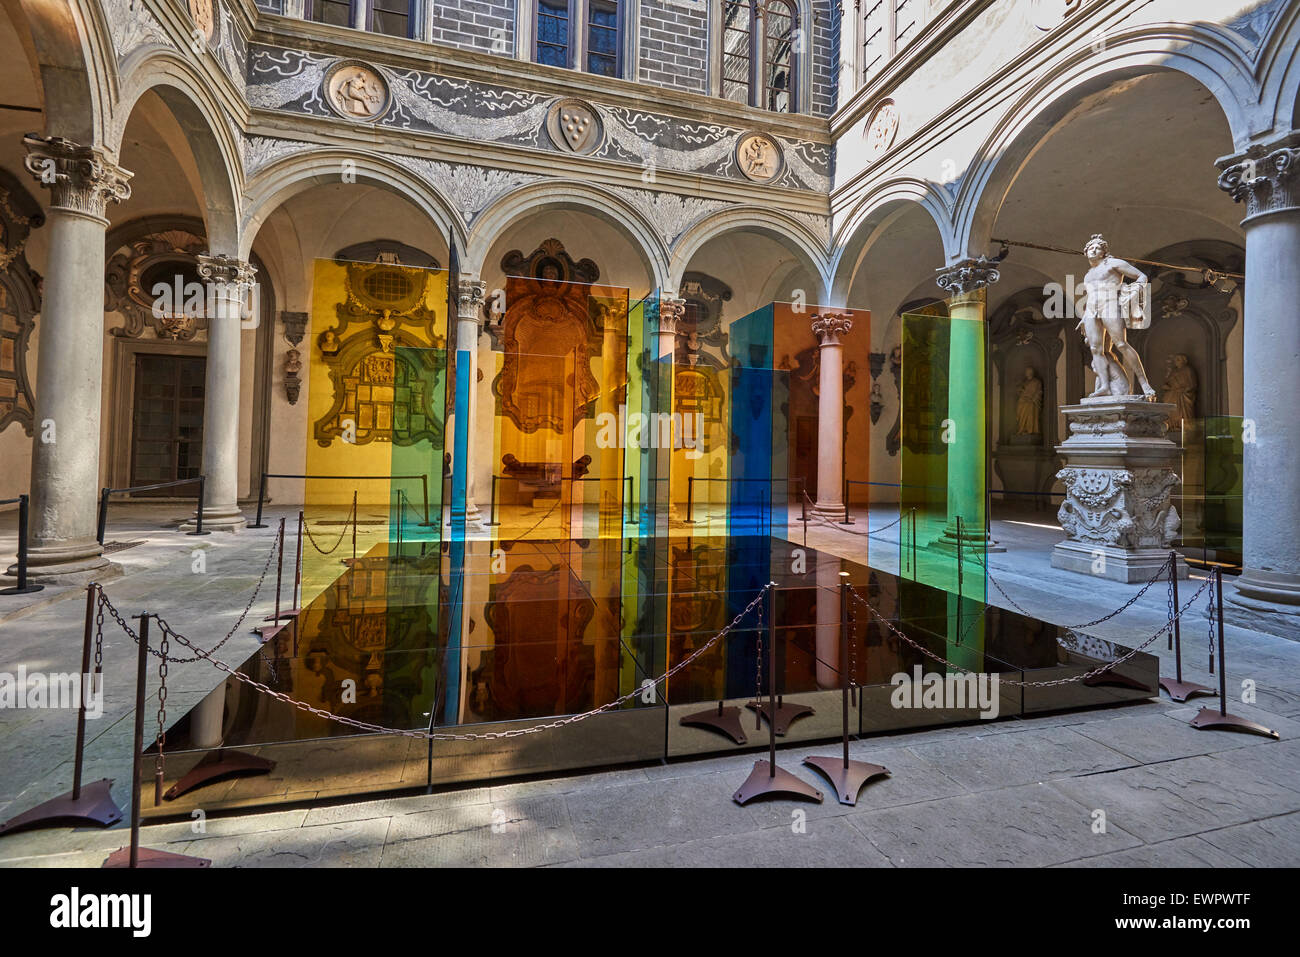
261	497
78	758
690	500
198	509
424	481
354	526
1177	688
141	670
103	515
1206	718
21	587
492	506
1223	662
297	561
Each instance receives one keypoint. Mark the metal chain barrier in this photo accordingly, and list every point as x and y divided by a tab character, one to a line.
1161	572
1102	669
1209	615
105	603
471	736
351	521
161	738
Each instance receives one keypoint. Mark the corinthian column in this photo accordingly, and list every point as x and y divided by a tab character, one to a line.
469	319
65	454
230	282
830	328
1266	178
966	284
671	313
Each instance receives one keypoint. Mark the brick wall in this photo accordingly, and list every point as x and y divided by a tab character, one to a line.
674	44
487	25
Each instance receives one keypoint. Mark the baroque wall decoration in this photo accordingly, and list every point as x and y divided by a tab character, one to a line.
548	321
134	274
20	301
373	377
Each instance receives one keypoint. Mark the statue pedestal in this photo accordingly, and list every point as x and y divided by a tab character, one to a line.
1119	476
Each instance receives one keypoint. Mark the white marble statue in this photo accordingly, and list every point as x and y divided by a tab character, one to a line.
1113	306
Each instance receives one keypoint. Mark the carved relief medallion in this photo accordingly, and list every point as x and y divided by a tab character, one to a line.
574	126
758	157
882	129
356	91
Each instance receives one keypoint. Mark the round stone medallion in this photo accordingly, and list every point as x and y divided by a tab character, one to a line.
759	157
356	91
204	18
882	129
574	125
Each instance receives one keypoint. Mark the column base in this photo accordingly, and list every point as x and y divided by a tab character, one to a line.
1267	602
1132	566
970	541
67	565
218	518
831	511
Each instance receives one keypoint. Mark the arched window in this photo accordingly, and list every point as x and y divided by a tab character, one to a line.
760	50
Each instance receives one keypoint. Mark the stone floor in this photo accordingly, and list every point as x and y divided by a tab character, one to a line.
1023	792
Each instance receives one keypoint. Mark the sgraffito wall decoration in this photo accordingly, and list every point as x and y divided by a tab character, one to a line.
20	301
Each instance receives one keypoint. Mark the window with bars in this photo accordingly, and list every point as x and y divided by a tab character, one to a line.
887	27
395	18
603	37
760	49
553	42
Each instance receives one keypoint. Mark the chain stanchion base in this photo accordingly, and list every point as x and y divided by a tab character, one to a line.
786	714
764	779
847	781
266	632
1211	719
725	720
1117	680
25	590
216	766
150	858
1182	690
95	806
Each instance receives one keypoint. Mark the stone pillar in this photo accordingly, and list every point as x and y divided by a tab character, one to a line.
966	284
830	328
1267	179
230	282
469	320
671	313
69	371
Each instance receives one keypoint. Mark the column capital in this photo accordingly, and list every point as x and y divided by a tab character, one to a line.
671	312
831	327
226	270
470	295
1264	176
81	179
967	276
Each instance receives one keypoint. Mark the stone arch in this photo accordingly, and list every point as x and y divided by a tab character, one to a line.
273	185
507	210
1280	70
873	214
212	142
784	229
1208	58
68	43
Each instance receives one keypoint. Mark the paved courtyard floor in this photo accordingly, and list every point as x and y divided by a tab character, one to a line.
1021	792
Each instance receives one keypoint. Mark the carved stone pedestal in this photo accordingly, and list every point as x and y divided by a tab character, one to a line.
1119	476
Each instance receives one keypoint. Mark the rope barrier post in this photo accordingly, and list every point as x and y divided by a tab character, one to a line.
1207	719
1178	689
424	482
492	506
690	500
21	587
133	856
354	527
102	524
198	510
94	803
845	775
767	778
264	632
261	497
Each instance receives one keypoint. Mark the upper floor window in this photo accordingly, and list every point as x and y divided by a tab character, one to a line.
392	17
760	47
887	26
585	34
